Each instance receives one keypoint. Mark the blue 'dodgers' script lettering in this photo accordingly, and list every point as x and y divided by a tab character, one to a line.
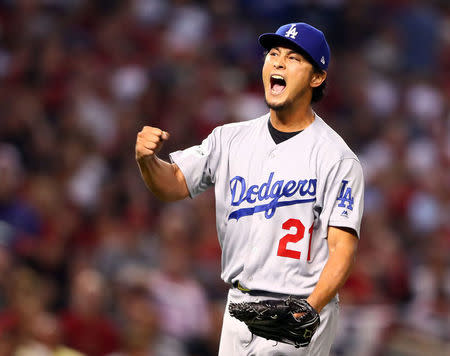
271	191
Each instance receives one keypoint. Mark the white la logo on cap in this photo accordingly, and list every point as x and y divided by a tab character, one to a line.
322	60
292	32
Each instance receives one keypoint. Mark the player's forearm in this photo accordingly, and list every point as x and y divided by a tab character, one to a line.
334	275
163	179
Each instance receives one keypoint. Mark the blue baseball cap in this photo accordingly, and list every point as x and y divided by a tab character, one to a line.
306	38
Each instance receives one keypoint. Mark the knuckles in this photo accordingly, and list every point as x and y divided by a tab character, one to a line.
148	141
151	130
150	134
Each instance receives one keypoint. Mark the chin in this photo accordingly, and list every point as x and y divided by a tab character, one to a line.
277	106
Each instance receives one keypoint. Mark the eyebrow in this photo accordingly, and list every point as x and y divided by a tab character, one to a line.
290	51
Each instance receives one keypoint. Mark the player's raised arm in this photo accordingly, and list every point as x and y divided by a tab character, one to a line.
165	180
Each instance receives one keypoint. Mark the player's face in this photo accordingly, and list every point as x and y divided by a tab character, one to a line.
287	77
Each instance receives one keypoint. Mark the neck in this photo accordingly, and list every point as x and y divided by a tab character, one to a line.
292	119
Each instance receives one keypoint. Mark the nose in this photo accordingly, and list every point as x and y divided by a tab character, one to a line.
278	63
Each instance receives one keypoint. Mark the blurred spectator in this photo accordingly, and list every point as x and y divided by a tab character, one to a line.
141	332
85	324
429	311
19	222
120	247
26	296
181	301
419	23
44	338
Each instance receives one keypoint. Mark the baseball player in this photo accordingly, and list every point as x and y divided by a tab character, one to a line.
289	201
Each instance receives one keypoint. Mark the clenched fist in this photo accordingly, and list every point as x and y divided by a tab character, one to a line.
149	142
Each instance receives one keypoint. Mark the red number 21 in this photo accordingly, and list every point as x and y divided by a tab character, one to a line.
287	225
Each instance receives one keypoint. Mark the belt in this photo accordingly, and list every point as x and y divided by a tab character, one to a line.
258	293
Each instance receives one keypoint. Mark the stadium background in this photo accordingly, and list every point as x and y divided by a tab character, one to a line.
90	260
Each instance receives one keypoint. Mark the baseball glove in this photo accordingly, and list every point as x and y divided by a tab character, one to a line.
274	319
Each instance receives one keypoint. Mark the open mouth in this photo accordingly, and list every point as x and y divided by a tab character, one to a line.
277	84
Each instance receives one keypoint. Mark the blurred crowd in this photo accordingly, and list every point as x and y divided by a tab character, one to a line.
91	264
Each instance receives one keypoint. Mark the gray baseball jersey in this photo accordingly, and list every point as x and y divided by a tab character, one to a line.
274	202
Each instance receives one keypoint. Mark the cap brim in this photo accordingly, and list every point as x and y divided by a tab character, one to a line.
271	40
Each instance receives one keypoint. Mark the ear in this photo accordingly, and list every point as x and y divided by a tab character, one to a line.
317	78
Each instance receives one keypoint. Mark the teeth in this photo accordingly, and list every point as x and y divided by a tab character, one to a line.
276	76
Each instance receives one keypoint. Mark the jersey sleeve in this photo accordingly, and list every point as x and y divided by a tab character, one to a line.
199	163
344	198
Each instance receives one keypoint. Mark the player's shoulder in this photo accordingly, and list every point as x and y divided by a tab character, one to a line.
331	143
